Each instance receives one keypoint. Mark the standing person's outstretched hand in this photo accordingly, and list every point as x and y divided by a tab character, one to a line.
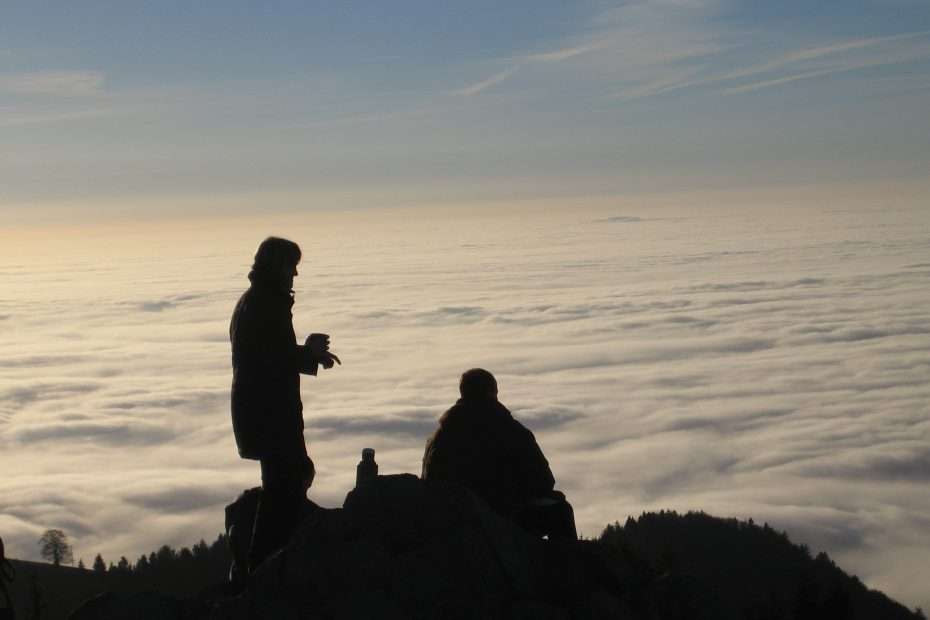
319	349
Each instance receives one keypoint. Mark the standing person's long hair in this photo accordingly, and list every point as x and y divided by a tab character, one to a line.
274	257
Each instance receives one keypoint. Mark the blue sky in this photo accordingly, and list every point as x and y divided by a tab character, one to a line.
135	104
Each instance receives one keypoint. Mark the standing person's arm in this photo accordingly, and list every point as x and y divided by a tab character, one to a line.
276	342
317	352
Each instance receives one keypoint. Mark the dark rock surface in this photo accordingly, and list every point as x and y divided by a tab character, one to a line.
402	548
142	606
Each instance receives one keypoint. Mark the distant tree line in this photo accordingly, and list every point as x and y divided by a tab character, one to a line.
183	572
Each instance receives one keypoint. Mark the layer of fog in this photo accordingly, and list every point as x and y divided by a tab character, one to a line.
749	362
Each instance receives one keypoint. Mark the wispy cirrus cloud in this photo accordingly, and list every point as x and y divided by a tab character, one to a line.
568	52
53	83
814	53
894	56
645	50
487	83
627	42
839	57
554	56
19	118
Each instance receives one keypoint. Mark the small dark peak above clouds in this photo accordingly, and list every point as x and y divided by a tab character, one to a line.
4	317
619	219
475	246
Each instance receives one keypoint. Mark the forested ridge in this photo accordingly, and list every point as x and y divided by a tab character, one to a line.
721	569
675	566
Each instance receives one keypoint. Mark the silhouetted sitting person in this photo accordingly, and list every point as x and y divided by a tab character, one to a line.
267	412
482	447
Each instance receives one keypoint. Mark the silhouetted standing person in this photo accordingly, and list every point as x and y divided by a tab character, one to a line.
267	412
480	446
7	574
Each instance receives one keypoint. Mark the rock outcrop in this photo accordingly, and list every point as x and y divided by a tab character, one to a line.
402	548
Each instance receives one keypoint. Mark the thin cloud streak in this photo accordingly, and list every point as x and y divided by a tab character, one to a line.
483	85
25	119
568	52
817	52
684	79
881	62
53	83
625	24
555	56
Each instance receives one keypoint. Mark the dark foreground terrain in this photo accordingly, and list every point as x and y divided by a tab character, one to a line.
400	548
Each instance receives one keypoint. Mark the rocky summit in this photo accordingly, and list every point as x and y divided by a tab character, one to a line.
403	548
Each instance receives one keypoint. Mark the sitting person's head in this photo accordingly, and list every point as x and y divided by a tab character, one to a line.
478	384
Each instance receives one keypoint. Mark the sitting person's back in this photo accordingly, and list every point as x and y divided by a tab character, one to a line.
480	446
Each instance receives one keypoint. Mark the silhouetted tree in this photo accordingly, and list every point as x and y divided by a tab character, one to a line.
123	565
81	564
54	547
99	565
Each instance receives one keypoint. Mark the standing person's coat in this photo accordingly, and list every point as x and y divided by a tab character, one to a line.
267	412
479	445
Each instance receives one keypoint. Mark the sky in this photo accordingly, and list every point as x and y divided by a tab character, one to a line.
140	109
691	238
